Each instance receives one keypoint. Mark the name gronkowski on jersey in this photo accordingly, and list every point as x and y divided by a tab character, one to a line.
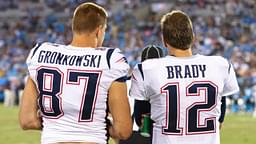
185	96
73	87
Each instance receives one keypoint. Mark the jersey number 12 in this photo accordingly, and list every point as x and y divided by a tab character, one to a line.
192	126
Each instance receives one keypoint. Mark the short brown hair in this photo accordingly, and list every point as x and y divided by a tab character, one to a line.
177	30
87	17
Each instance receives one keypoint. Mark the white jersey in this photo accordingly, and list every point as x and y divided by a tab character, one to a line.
73	88
185	96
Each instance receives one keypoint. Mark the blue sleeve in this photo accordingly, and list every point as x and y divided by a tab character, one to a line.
140	107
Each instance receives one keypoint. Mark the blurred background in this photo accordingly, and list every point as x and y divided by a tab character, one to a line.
222	27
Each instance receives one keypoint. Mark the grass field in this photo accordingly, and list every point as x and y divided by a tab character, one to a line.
237	129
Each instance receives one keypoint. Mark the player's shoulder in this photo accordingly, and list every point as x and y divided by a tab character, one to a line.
114	53
109	50
217	62
114	57
152	63
45	45
220	60
51	44
145	66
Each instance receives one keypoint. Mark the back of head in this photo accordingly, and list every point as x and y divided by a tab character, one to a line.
177	30
151	51
87	17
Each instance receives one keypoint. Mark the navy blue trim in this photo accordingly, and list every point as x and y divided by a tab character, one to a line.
223	109
107	121
36	48
122	79
109	53
140	108
141	71
129	77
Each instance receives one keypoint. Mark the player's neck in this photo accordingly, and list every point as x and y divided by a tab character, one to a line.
84	40
180	53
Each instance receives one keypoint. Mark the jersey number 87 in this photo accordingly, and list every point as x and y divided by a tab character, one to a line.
52	94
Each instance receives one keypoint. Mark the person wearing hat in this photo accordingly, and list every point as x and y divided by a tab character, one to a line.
142	108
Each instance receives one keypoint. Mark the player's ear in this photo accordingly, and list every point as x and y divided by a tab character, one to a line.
194	39
164	43
97	32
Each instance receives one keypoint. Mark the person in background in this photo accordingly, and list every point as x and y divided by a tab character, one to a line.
71	88
254	95
142	108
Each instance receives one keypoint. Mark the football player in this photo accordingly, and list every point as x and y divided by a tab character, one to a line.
184	90
73	87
